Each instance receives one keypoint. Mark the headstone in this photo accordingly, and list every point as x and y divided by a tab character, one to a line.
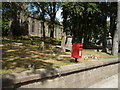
109	42
69	42
42	45
63	42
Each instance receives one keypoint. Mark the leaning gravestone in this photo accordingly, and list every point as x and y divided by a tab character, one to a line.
42	47
69	42
63	42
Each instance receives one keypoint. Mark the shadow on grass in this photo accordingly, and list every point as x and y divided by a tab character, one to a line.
23	57
26	64
26	56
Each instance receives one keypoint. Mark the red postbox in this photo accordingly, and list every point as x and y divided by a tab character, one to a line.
77	50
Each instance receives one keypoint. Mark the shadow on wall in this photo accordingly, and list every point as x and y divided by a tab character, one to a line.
8	81
12	81
18	28
45	74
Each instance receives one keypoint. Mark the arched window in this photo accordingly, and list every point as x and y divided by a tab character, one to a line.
41	28
49	29
55	31
33	26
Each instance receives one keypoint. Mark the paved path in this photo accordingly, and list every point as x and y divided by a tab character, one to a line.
110	82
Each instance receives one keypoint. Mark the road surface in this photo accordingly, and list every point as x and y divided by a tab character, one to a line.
110	82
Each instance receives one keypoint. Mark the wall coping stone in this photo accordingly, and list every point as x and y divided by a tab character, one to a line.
30	75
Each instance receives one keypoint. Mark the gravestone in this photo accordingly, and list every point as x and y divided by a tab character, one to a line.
69	42
63	42
66	43
109	42
42	47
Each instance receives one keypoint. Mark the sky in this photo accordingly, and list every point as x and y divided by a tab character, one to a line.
58	15
108	18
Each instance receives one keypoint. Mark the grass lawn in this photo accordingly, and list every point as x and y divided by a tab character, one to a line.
21	56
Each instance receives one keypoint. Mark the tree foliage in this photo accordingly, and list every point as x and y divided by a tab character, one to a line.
89	20
10	16
79	19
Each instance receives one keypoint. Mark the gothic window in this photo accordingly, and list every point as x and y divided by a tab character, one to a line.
54	31
49	29
33	26
41	28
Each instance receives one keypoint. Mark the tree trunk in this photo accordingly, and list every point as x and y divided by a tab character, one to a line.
115	44
52	32
104	35
10	29
43	18
43	29
115	38
112	23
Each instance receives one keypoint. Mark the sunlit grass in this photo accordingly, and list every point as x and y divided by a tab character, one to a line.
28	56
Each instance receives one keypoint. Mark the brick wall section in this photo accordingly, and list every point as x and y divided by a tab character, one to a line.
80	75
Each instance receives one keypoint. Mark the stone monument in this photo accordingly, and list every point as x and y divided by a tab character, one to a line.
109	42
63	46
69	42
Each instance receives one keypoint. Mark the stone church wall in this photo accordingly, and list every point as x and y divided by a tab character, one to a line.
35	27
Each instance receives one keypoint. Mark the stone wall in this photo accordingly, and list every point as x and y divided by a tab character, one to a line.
80	75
